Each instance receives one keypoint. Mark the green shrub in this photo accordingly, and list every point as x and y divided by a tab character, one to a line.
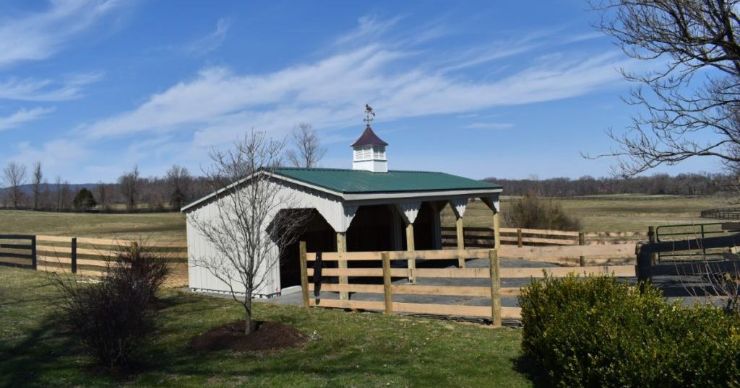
531	211
597	331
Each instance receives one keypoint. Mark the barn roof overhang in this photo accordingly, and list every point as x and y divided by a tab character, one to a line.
371	195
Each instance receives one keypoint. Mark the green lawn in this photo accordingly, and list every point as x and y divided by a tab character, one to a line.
360	349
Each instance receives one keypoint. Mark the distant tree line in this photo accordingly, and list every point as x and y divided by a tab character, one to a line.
682	184
131	192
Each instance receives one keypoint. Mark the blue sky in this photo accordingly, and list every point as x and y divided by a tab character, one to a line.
479	88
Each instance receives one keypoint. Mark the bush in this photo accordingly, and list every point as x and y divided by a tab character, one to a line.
531	211
599	332
113	317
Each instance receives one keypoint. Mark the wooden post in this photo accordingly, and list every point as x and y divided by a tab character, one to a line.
460	242
653	239
304	273
582	242
519	241
410	247
387	281
495	288
73	254
341	250
496	231
34	258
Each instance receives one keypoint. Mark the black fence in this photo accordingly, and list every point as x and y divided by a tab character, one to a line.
728	213
18	250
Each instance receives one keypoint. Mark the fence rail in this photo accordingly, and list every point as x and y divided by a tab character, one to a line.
482	237
377	275
78	255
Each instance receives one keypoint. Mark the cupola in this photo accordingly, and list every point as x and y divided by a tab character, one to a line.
369	149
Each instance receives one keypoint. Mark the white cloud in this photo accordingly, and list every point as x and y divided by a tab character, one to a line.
38	36
23	116
28	89
331	92
212	41
489	125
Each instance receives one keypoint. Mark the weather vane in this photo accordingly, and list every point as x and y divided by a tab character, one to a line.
369	115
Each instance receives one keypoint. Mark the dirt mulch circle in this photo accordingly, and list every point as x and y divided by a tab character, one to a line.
269	336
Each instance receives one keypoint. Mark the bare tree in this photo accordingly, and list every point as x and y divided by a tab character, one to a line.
59	193
691	102
307	150
102	195
15	176
65	195
37	177
129	184
178	179
250	223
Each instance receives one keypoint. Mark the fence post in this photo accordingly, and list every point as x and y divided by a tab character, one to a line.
304	273
387	294
653	239
34	259
582	242
495	288
519	237
73	254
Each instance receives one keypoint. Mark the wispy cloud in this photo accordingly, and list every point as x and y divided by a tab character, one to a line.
220	103
212	41
29	89
489	125
39	35
23	116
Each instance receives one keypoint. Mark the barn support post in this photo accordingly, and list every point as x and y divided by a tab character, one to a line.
495	288
304	273
460	242
342	263
387	281
411	247
496	230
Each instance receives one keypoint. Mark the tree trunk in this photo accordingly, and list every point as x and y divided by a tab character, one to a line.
248	324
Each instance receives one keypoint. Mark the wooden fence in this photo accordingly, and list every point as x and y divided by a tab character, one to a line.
483	237
78	255
372	273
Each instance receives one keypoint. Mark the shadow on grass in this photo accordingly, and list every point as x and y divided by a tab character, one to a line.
526	366
40	350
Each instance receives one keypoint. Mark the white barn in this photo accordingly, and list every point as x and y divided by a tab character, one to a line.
366	208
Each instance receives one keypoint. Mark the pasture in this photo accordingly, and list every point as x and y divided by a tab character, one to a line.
613	213
150	226
616	213
343	348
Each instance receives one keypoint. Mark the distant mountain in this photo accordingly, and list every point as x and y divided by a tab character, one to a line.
52	187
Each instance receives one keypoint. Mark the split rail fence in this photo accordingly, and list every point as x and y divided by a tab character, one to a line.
77	255
374	273
520	237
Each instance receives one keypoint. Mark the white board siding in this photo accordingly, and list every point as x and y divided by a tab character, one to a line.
201	279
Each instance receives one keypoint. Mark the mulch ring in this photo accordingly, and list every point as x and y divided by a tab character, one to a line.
269	336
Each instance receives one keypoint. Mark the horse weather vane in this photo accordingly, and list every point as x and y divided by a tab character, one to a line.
369	115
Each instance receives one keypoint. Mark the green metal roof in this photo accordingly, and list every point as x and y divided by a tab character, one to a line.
356	181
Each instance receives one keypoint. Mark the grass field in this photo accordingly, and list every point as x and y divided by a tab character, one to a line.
360	349
621	213
155	226
608	213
